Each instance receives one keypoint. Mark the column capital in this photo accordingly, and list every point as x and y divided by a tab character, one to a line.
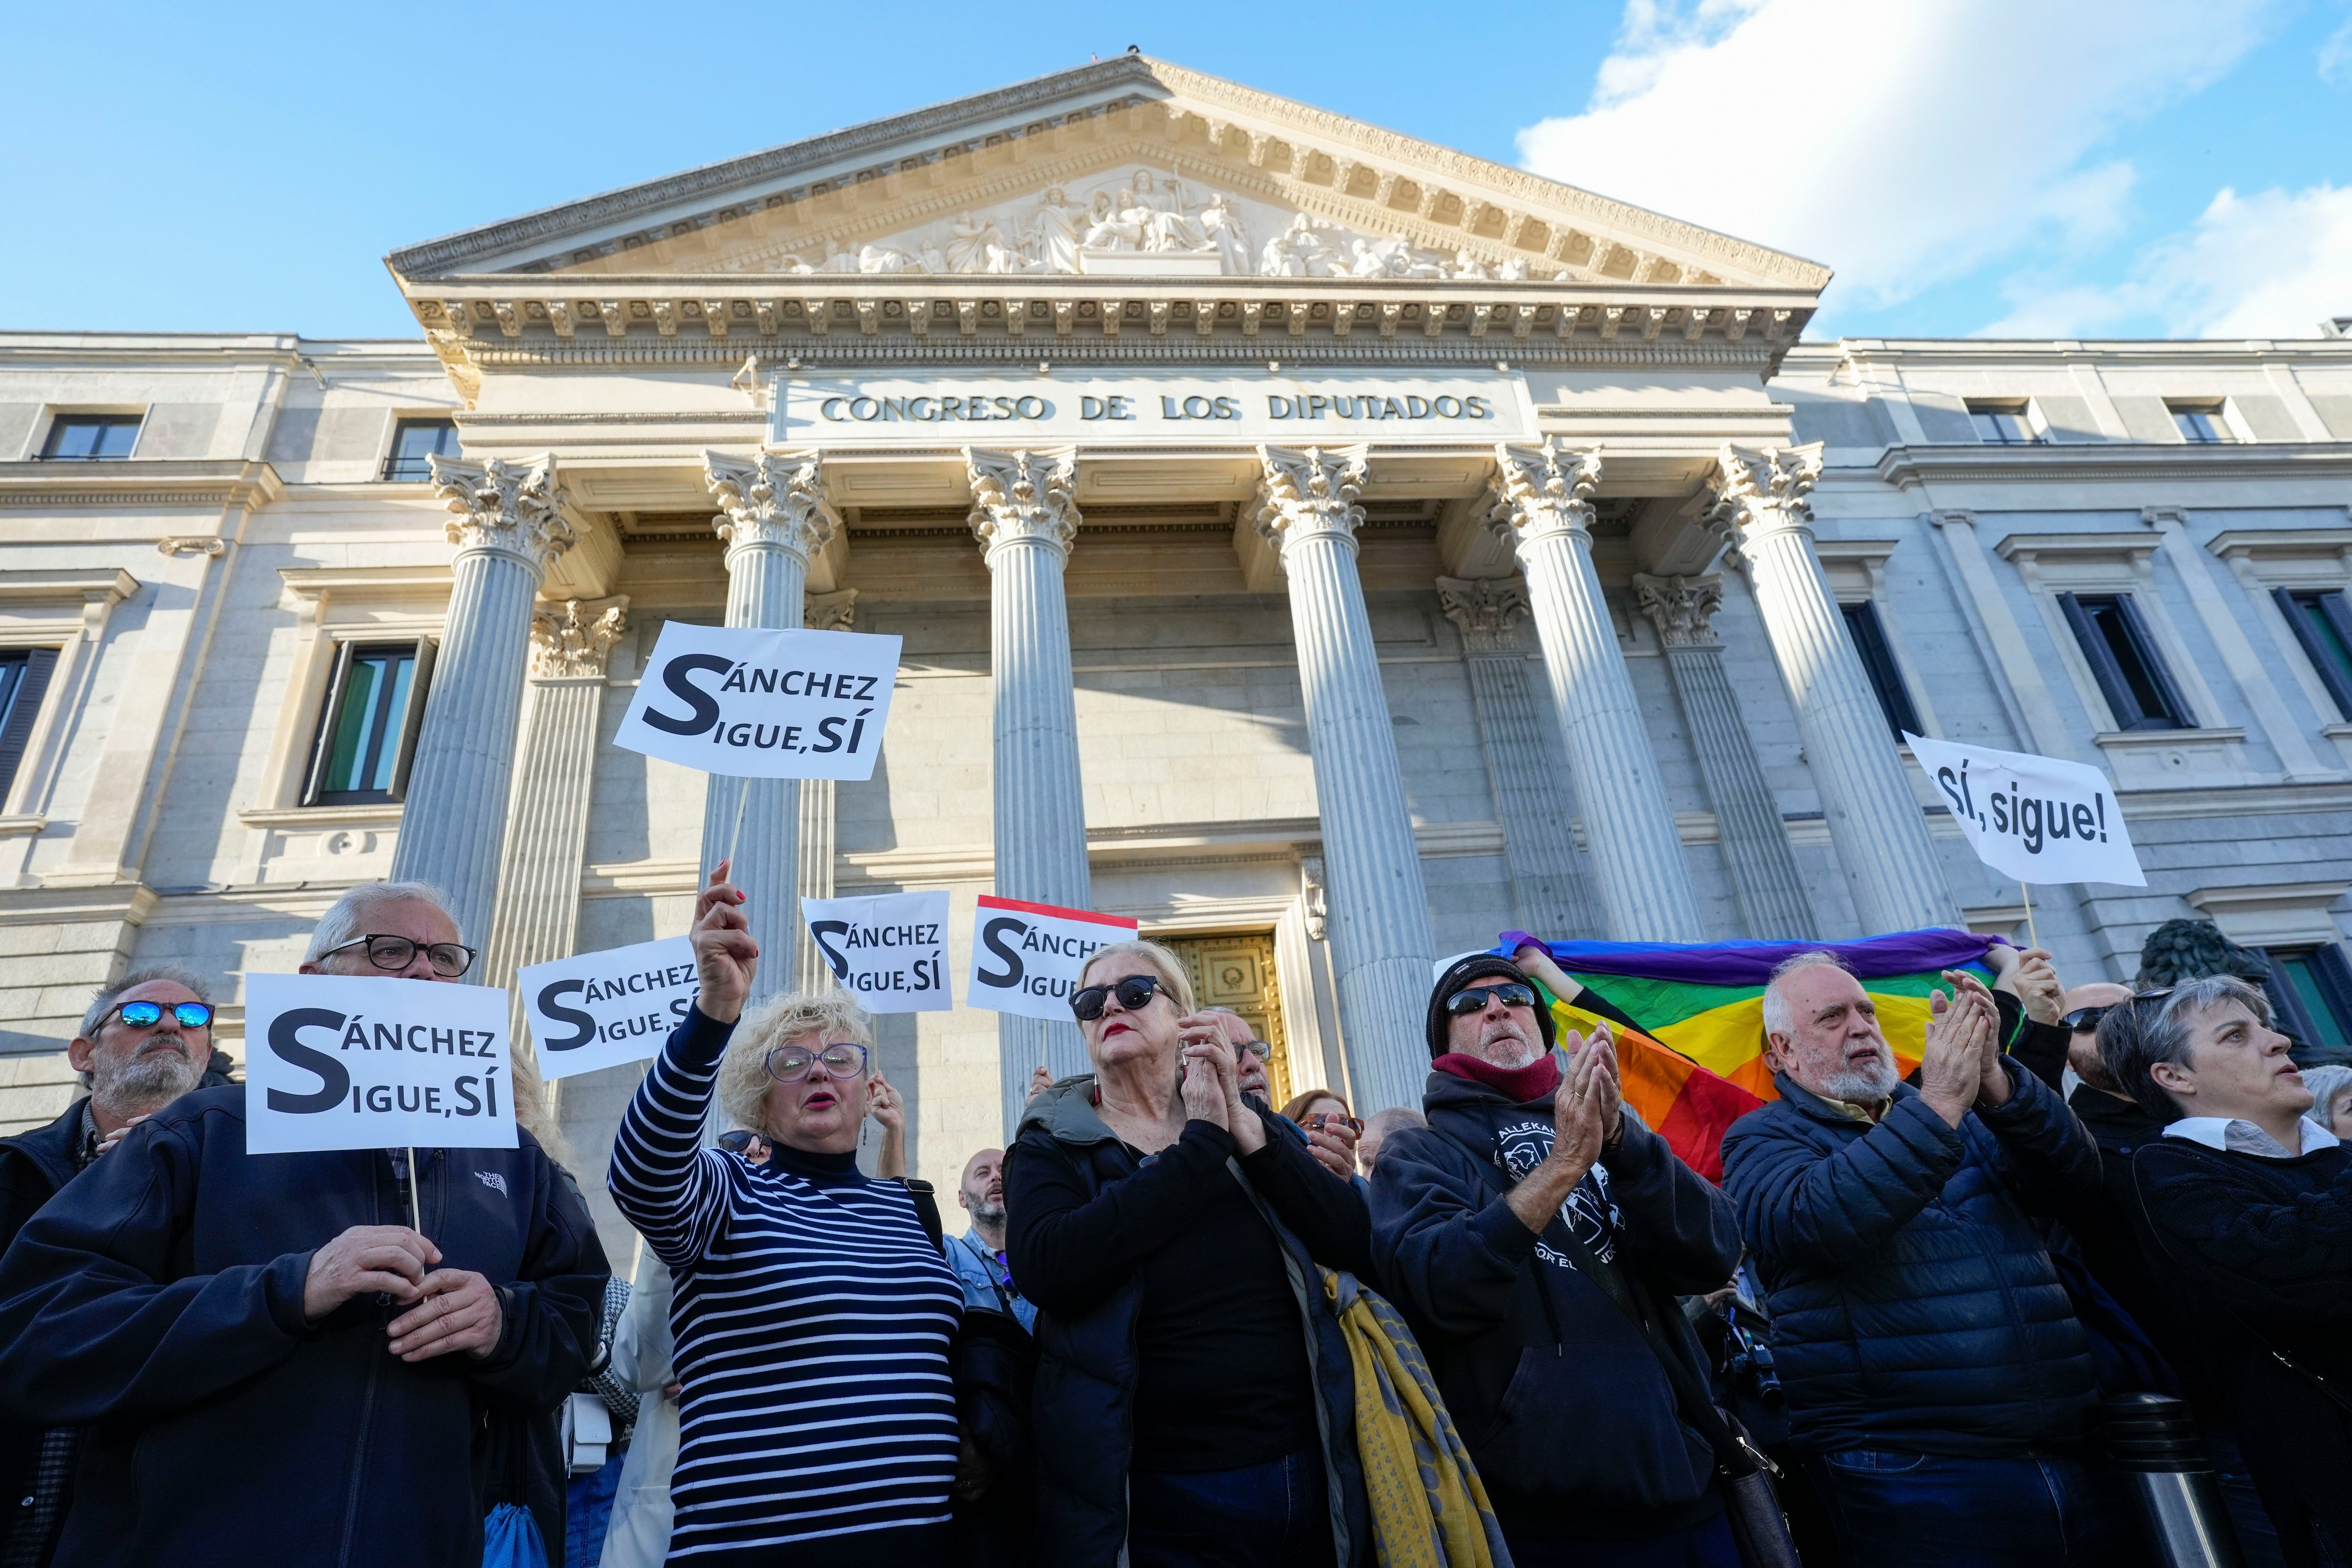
1486	609
836	612
1764	490
503	508
1023	496
775	499
1952	516
1541	490
1308	491
1683	608
573	638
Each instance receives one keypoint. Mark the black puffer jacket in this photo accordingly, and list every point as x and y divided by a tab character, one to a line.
1914	1305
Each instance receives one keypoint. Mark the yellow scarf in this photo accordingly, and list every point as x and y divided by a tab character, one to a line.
1429	1510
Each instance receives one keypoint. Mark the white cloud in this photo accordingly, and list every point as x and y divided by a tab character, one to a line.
2269	265
2335	58
1903	144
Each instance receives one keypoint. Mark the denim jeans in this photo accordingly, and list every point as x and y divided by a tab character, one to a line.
1272	1515
588	1512
1926	1510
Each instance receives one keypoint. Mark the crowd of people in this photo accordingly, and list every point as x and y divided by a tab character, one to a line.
1181	1326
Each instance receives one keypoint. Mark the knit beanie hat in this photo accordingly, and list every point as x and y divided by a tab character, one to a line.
1458	976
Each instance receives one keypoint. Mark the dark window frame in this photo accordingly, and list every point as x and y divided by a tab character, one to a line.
2215	429
2335	607
1867	631
2151	702
25	677
1984	414
64	424
398	730
400	468
2331	976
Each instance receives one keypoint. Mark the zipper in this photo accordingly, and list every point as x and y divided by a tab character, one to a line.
367	1400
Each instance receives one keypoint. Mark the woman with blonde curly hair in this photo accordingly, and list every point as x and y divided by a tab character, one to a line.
813	1313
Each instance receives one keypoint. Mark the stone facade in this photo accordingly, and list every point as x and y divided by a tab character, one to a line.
1373	681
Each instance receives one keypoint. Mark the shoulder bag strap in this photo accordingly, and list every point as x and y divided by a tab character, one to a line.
926	1210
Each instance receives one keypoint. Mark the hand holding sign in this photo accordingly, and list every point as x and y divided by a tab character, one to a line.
367	1259
459	1311
726	957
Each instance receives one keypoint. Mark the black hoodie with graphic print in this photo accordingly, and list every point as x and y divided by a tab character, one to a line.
1565	1409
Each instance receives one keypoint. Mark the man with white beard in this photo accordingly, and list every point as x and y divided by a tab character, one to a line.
145	1041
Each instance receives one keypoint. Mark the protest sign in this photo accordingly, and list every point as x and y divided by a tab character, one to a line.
600	1009
2034	818
890	951
335	1061
1026	958
763	704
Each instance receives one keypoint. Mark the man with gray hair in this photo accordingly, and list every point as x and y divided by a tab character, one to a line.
1938	1381
145	1041
187	1300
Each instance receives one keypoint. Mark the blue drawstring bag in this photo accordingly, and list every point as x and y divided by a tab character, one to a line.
510	1538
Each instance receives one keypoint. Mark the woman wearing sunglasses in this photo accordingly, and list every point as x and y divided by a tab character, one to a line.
813	1312
1193	1398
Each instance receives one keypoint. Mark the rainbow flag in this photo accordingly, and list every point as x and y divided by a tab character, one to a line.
1689	1017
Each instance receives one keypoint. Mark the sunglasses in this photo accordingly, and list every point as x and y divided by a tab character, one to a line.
791	1064
187	1015
1133	993
2083	1020
737	1142
1257	1049
449	959
1323	1118
1511	994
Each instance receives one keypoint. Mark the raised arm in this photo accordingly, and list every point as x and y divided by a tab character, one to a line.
1326	1213
1068	1250
1677	1223
1447	1240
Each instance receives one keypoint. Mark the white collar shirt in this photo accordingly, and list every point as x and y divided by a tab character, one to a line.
2238	1136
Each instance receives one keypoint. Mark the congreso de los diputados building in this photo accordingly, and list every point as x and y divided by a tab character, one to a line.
1326	548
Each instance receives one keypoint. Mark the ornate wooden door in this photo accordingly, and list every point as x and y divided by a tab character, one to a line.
1237	971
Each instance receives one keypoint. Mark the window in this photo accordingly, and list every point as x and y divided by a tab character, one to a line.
24	681
87	437
2004	424
2311	992
2202	424
2132	677
2323	625
413	441
367	732
1869	636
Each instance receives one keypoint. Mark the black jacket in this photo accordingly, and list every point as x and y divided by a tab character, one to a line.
159	1301
1914	1304
2259	1254
33	1167
1077	1263
1565	1409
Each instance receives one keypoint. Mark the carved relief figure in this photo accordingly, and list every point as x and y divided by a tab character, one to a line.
1296	252
1221	225
1113	225
1052	243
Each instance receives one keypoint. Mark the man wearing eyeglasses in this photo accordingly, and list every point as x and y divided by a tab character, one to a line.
194	1305
144	1042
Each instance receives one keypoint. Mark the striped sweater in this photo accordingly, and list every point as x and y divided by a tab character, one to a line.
812	1316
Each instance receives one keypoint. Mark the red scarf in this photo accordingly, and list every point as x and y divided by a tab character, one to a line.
1533	1081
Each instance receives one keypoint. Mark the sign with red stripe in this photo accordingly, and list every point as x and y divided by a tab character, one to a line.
1025	957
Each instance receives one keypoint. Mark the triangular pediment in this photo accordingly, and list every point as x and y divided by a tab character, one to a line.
1131	168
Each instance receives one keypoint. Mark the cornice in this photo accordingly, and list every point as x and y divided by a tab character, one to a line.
2266	543
136	482
1978	353
2125	461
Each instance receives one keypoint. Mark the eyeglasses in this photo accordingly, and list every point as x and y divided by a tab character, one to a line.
449	959
140	1014
1510	994
1257	1049
791	1064
1323	1118
1133	993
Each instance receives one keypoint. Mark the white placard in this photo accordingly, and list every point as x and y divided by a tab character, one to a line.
337	1061
2034	818
602	1009
763	704
1145	408
1026	958
889	951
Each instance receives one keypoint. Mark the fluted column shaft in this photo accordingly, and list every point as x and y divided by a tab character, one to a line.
1379	910
836	612
1541	505
1873	819
507	524
1023	516
1753	839
775	516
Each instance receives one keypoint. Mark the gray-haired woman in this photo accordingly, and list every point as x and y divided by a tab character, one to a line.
813	1313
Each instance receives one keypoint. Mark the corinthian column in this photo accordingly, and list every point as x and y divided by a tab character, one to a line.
1379	919
1024	517
774	516
1547	885
507	522
1748	830
819	613
538	911
1761	506
1542	505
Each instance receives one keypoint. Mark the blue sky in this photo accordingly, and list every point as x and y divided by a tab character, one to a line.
2028	167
